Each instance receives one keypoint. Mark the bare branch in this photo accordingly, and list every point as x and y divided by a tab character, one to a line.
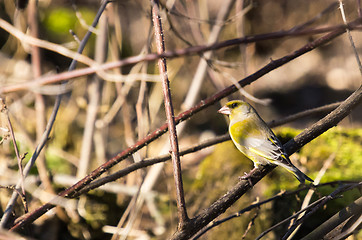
350	37
310	112
95	89
45	44
5	110
181	205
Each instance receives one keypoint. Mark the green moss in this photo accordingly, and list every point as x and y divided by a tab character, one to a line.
164	205
225	159
57	164
58	22
216	174
344	143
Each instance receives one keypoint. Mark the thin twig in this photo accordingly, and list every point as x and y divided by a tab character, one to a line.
126	213
201	69
251	223
81	20
45	44
39	99
121	97
159	38
328	9
31	162
134	208
310	209
95	89
5	110
22	196
350	37
309	112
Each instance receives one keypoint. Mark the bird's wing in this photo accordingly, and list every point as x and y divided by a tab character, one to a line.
269	148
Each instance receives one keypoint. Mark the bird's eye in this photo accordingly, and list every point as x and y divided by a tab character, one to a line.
234	105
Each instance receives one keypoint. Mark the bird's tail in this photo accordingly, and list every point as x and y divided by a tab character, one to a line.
299	174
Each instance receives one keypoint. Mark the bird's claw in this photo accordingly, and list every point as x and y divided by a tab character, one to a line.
247	177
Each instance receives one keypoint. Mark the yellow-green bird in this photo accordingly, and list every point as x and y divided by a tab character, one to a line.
255	139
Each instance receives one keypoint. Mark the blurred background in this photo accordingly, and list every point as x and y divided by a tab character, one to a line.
101	115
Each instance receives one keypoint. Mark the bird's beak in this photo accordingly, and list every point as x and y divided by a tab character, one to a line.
224	110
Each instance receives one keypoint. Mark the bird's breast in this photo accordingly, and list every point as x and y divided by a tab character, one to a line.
241	129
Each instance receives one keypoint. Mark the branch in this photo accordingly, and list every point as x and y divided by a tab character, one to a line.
176	165
308	197
309	112
94	90
24	38
5	110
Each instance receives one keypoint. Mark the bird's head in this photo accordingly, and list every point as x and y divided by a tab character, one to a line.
237	108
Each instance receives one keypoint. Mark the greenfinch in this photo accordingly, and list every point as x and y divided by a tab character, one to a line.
255	139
